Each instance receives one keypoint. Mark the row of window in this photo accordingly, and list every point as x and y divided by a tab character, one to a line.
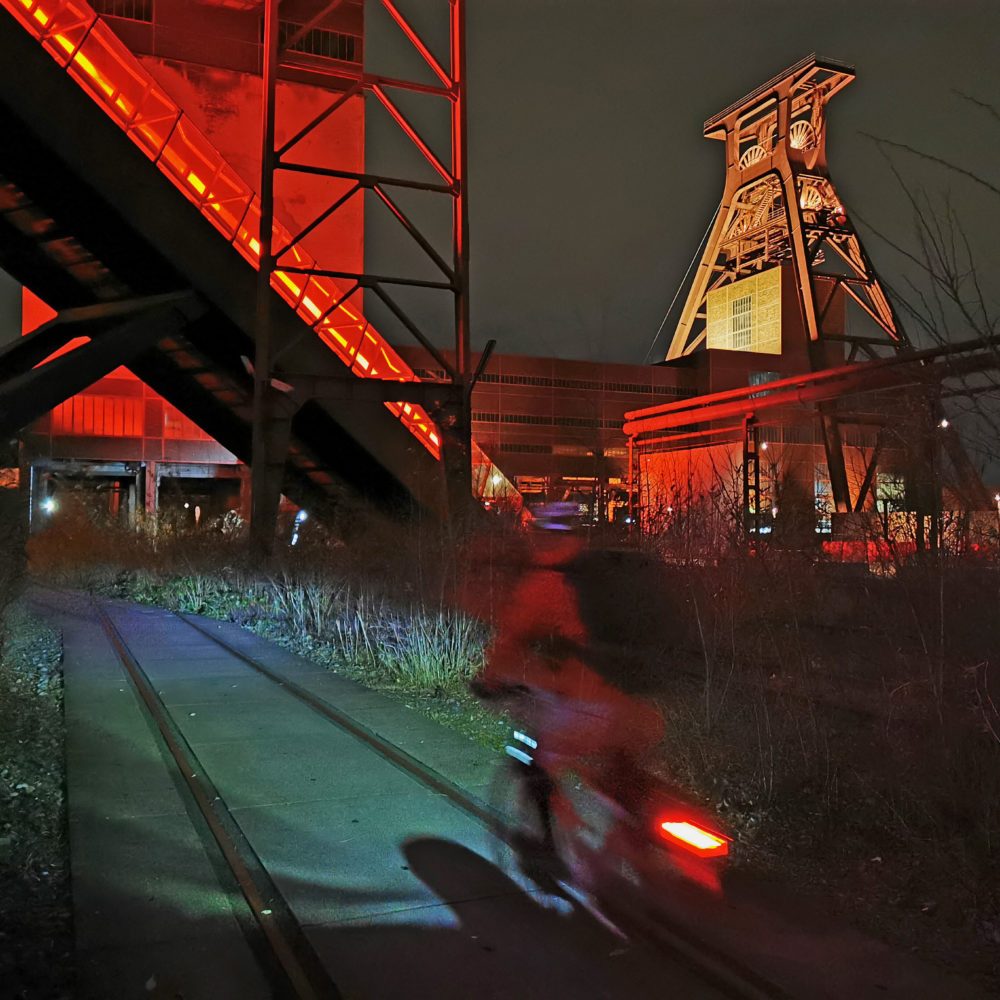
547	420
133	10
322	43
586	384
853	437
638	388
523	449
519	448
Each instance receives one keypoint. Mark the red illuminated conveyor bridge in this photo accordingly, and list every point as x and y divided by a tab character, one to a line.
76	38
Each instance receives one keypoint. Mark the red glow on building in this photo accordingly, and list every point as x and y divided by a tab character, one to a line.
156	103
101	64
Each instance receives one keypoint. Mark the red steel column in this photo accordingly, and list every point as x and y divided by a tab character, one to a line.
264	506
460	468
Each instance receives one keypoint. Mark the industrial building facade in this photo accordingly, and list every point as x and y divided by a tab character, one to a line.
555	425
768	302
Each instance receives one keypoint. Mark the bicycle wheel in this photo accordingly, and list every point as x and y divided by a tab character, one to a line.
518	833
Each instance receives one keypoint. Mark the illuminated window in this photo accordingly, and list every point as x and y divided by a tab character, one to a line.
132	10
741	326
890	492
823	493
762	378
525	449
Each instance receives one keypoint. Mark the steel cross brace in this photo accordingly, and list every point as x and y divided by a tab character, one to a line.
456	427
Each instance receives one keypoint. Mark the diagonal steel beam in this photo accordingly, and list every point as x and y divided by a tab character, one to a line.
414	136
318	221
416	331
411	228
353	91
29	395
418	43
870	471
22	354
313	22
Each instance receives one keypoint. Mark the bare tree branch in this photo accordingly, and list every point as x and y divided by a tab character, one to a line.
988	108
933	159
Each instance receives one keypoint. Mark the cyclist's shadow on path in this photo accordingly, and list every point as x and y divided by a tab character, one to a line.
496	942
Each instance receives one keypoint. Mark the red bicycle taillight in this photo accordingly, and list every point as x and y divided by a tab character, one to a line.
696	839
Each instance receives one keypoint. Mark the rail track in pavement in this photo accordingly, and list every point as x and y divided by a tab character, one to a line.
270	923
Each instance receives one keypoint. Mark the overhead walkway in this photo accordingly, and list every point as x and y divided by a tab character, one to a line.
120	214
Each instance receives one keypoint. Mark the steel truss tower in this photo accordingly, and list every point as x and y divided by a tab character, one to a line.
780	206
448	404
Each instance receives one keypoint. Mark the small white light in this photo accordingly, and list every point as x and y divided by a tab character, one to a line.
774	512
628	520
944	423
670	510
497	479
186	506
763	446
48	505
301	516
996	496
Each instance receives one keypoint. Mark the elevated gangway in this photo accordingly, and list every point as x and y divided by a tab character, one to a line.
110	194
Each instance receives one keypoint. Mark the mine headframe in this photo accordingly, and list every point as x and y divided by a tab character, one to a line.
780	206
782	225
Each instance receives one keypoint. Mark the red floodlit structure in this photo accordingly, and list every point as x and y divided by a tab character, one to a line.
102	65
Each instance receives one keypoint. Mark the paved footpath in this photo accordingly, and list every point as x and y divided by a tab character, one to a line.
390	880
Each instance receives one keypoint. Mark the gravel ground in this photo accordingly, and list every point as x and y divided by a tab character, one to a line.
36	939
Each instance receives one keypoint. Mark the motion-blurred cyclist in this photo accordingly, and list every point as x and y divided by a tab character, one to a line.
542	668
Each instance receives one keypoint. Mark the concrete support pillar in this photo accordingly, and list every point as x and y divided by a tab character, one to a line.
455	423
152	488
244	501
267	474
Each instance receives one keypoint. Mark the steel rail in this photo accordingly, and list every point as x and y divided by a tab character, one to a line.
385	748
727	974
301	967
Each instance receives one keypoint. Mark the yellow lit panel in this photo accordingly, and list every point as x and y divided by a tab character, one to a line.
746	315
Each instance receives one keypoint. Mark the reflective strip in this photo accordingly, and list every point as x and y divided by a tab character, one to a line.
526	739
518	755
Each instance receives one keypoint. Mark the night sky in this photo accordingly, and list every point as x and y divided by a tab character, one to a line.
591	184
